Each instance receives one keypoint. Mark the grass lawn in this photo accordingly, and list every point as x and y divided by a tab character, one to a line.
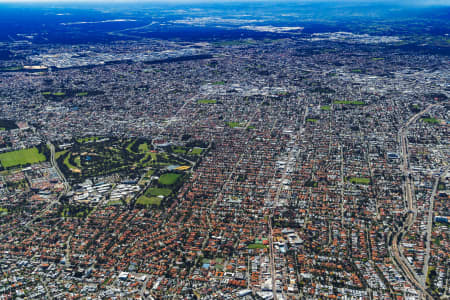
158	192
196	151
2	128
219	83
69	165
78	161
46	93
311	120
325	107
206	101
430	269
180	150
114	202
234	124
377	58
430	120
256	246
149	173
59	94
349	102
146	157
88	139
169	178
143	147
144	200
131	145
219	267
437	242
359	180
21	157
60	153
206	261
82	94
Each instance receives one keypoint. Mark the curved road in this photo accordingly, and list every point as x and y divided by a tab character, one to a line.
55	202
55	165
409	192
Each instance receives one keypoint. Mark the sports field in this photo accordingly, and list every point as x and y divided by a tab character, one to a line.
157	192
144	200
196	151
430	120
234	124
21	157
359	180
349	102
207	101
169	178
256	246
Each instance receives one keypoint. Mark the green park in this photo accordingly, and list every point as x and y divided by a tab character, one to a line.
207	101
21	157
359	180
349	102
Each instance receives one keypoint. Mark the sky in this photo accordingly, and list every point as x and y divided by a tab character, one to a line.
425	2
405	2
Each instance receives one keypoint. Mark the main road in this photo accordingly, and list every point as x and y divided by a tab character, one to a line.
409	192
430	225
55	166
292	158
54	202
63	180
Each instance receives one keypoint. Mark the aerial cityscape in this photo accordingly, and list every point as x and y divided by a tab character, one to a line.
224	150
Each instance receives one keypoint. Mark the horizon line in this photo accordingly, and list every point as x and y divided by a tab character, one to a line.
356	2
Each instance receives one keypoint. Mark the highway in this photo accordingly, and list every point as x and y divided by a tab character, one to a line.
55	165
63	180
54	202
409	192
342	184
430	225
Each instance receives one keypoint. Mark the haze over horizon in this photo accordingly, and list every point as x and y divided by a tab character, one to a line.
403	2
